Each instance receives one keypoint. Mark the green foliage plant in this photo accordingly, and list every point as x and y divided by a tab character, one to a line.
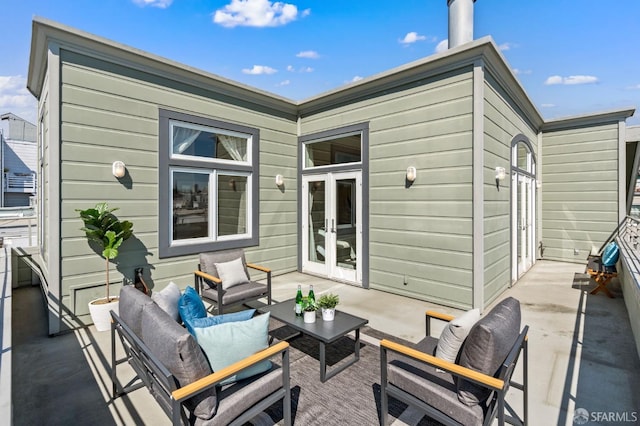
104	229
328	301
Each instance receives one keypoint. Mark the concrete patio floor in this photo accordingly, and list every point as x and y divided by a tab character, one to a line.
581	351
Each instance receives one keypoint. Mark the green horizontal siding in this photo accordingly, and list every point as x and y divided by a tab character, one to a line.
580	190
110	112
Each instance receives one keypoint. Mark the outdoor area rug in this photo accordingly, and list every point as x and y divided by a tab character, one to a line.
352	397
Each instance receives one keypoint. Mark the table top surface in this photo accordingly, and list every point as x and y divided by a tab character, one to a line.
326	331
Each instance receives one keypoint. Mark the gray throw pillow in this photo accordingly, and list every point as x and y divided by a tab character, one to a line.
454	333
487	346
132	303
232	273
179	352
168	299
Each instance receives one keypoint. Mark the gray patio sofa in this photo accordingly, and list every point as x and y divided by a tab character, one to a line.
169	362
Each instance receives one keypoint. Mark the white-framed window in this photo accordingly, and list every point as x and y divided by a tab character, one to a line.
208	185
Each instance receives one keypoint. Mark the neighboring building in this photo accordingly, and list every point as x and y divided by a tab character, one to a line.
633	139
495	181
19	161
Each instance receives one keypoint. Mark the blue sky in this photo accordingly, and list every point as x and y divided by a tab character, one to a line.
571	56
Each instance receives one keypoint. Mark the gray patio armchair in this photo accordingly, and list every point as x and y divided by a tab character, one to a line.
223	279
470	391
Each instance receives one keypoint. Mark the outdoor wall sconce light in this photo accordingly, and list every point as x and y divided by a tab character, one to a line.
118	169
412	173
279	180
501	173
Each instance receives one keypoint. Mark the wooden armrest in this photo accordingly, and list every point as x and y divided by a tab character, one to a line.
439	315
458	370
258	267
194	388
207	277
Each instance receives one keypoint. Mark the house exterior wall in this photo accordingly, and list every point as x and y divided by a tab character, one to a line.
502	122
420	236
580	189
110	112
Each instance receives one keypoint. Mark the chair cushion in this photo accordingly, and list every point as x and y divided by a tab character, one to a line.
208	260
221	319
243	395
238	293
436	388
132	303
232	273
454	333
179	352
190	307
227	343
168	299
487	346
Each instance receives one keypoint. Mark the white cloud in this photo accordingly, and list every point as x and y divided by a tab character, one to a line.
257	13
284	83
442	46
309	54
412	37
548	105
259	70
506	46
518	71
356	78
633	87
571	80
306	69
162	4
290	68
15	98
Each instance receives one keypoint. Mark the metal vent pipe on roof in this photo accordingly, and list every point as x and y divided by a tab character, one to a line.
460	22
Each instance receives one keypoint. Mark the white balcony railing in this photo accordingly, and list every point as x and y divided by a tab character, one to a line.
20	182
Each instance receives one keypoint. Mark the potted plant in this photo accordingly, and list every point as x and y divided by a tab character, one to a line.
327	302
105	233
309	308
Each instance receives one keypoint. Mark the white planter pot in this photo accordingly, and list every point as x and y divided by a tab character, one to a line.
310	317
100	313
328	314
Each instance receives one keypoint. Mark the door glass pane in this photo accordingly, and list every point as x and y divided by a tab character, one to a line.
232	205
190	205
520	220
346	248
523	157
342	150
317	247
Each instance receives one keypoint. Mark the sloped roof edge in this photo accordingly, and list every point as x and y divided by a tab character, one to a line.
464	55
45	32
588	119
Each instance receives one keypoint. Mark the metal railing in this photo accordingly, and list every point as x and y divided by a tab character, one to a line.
24	182
629	241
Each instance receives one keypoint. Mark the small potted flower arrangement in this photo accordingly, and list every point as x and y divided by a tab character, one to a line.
309	309
327	302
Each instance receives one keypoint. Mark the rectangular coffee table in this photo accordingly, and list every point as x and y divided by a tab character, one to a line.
325	332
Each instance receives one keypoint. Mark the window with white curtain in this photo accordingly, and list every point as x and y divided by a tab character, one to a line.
208	185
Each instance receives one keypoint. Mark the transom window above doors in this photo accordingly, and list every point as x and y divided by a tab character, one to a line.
208	185
524	158
343	149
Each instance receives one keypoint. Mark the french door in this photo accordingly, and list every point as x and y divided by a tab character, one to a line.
332	225
523	224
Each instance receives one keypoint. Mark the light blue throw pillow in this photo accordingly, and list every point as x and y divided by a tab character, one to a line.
227	343
222	319
610	254
190	307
